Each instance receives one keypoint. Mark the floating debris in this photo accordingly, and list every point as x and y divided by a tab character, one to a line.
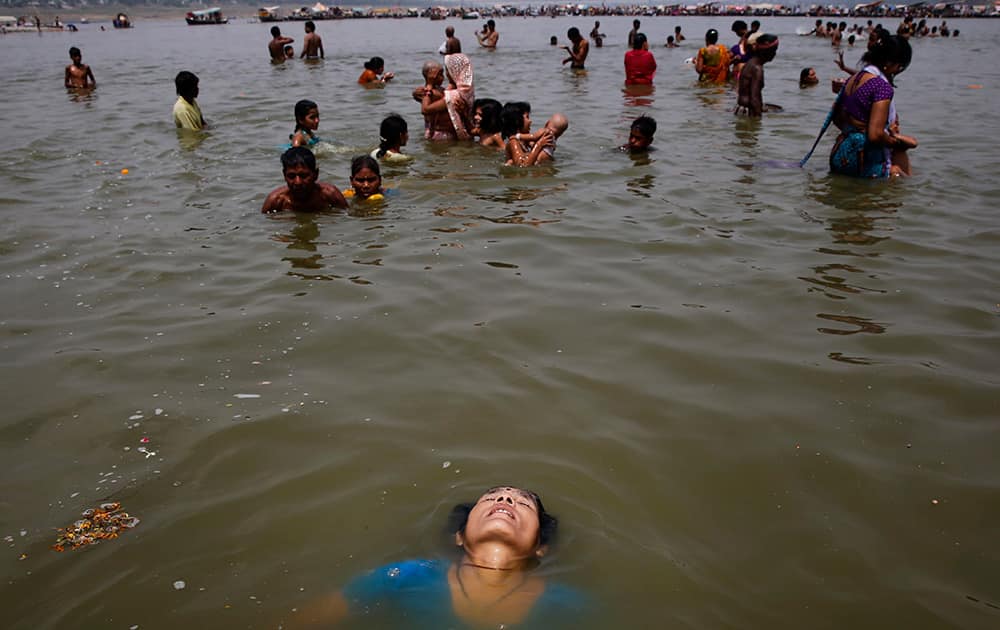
101	523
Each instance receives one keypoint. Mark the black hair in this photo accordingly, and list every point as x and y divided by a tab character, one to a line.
512	117
491	24
74	52
302	109
635	23
677	29
489	115
275	31
310	26
889	49
548	525
850	39
711	36
644	125
739	25
804	75
842	26
390	133
763	45
298	156
553	40
573	33
638	41
375	62
754	25
365	161
670	38
187	85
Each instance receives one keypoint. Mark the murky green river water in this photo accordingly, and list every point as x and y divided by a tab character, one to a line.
756	397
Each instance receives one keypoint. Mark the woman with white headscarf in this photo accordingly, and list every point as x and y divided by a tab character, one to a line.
458	97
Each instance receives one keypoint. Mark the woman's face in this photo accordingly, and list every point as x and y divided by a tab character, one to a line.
477	118
507	515
366	183
311	121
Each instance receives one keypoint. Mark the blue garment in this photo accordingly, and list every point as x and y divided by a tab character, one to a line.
417	592
855	155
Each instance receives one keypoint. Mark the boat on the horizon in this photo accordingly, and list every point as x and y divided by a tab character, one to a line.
269	14
206	16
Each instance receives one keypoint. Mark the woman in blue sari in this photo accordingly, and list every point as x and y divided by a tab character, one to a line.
502	537
870	144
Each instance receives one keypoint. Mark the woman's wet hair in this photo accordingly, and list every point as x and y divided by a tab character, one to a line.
512	117
390	133
638	41
187	84
548	525
302	109
374	64
365	161
298	156
712	37
489	115
804	75
889	49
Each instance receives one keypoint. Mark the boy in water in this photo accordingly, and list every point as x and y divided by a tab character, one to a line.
750	99
301	192
187	114
577	54
312	45
277	44
640	136
79	74
289	52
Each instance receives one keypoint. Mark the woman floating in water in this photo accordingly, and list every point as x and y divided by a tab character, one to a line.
712	62
374	74
306	123
869	144
392	137
501	538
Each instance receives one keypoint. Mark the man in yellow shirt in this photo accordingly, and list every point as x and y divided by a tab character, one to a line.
187	114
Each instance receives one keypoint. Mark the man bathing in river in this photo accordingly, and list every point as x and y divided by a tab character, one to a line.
312	45
79	74
578	53
301	192
277	44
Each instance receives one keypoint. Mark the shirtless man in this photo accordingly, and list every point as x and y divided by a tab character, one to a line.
437	125
451	45
79	74
302	193
577	54
312	45
277	44
489	38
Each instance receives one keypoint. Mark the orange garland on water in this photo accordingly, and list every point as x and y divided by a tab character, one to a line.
106	522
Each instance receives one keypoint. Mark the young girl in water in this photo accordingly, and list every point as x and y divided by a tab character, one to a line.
515	122
392	137
366	179
306	122
373	74
486	122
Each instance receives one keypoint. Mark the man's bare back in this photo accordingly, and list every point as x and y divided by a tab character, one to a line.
312	46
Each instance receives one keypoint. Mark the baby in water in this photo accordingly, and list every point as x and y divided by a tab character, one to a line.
551	131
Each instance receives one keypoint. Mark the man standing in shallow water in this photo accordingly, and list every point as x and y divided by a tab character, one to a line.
301	192
577	54
79	74
277	44
451	45
312	45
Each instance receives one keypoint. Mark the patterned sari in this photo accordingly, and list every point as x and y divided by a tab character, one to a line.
714	64
460	98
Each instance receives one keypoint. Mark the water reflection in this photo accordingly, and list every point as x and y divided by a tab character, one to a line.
639	95
639	186
303	237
